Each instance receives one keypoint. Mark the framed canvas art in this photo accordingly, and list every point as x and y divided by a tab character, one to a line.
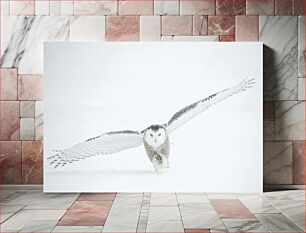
153	117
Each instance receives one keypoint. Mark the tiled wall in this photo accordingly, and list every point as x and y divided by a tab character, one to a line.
278	23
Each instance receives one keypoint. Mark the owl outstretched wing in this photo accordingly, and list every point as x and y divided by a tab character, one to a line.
193	110
107	143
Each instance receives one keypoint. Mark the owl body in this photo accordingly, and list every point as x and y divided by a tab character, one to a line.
157	146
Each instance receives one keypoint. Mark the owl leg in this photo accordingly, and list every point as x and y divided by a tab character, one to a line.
155	164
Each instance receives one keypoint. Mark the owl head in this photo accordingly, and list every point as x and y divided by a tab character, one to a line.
155	135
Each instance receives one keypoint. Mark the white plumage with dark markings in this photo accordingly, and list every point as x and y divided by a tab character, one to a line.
155	138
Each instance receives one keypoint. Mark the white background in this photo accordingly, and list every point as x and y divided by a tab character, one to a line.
92	88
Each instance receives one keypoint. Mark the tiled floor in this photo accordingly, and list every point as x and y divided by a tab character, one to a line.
33	211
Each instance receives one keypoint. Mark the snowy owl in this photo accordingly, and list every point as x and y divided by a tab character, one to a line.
155	138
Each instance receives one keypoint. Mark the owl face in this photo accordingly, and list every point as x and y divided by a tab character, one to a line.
155	135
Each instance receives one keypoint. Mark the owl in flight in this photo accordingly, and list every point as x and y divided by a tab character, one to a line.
155	138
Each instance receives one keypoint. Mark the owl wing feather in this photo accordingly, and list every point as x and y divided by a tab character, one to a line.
193	110
105	144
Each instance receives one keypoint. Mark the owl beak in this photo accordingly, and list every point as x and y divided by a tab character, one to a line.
155	140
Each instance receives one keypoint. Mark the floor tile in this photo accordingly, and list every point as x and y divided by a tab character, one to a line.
163	199
200	216
192	198
165	226
9	210
277	223
78	229
158	213
35	199
96	197
122	219
231	208
298	195
86	213
220	196
257	204
294	210
20	219
238	225
197	230
39	226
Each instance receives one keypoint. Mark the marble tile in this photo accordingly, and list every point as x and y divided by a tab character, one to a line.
205	217
32	162
301	47
19	34
292	209
67	7
260	7
268	130
167	7
9	120
122	28
55	8
107	7
135	7
298	162
277	223
301	89
150	28
190	38
257	205
192	198
201	230
87	28
125	195
176	25
269	110
27	109
122	218
30	87
298	7
200	25
6	198
199	7
96	197
8	210
163	199
278	162
283	7
5	7
20	219
78	229
36	199
279	34
8	88
39	120
230	7
39	226
221	196
42	7
22	7
293	195
231	209
246	28
238	225
221	25
169	213
27	129
224	38
86	213
290	120
165	226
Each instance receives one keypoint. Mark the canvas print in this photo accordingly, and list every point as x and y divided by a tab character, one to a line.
127	143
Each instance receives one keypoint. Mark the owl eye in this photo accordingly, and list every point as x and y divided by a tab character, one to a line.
159	134
151	135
